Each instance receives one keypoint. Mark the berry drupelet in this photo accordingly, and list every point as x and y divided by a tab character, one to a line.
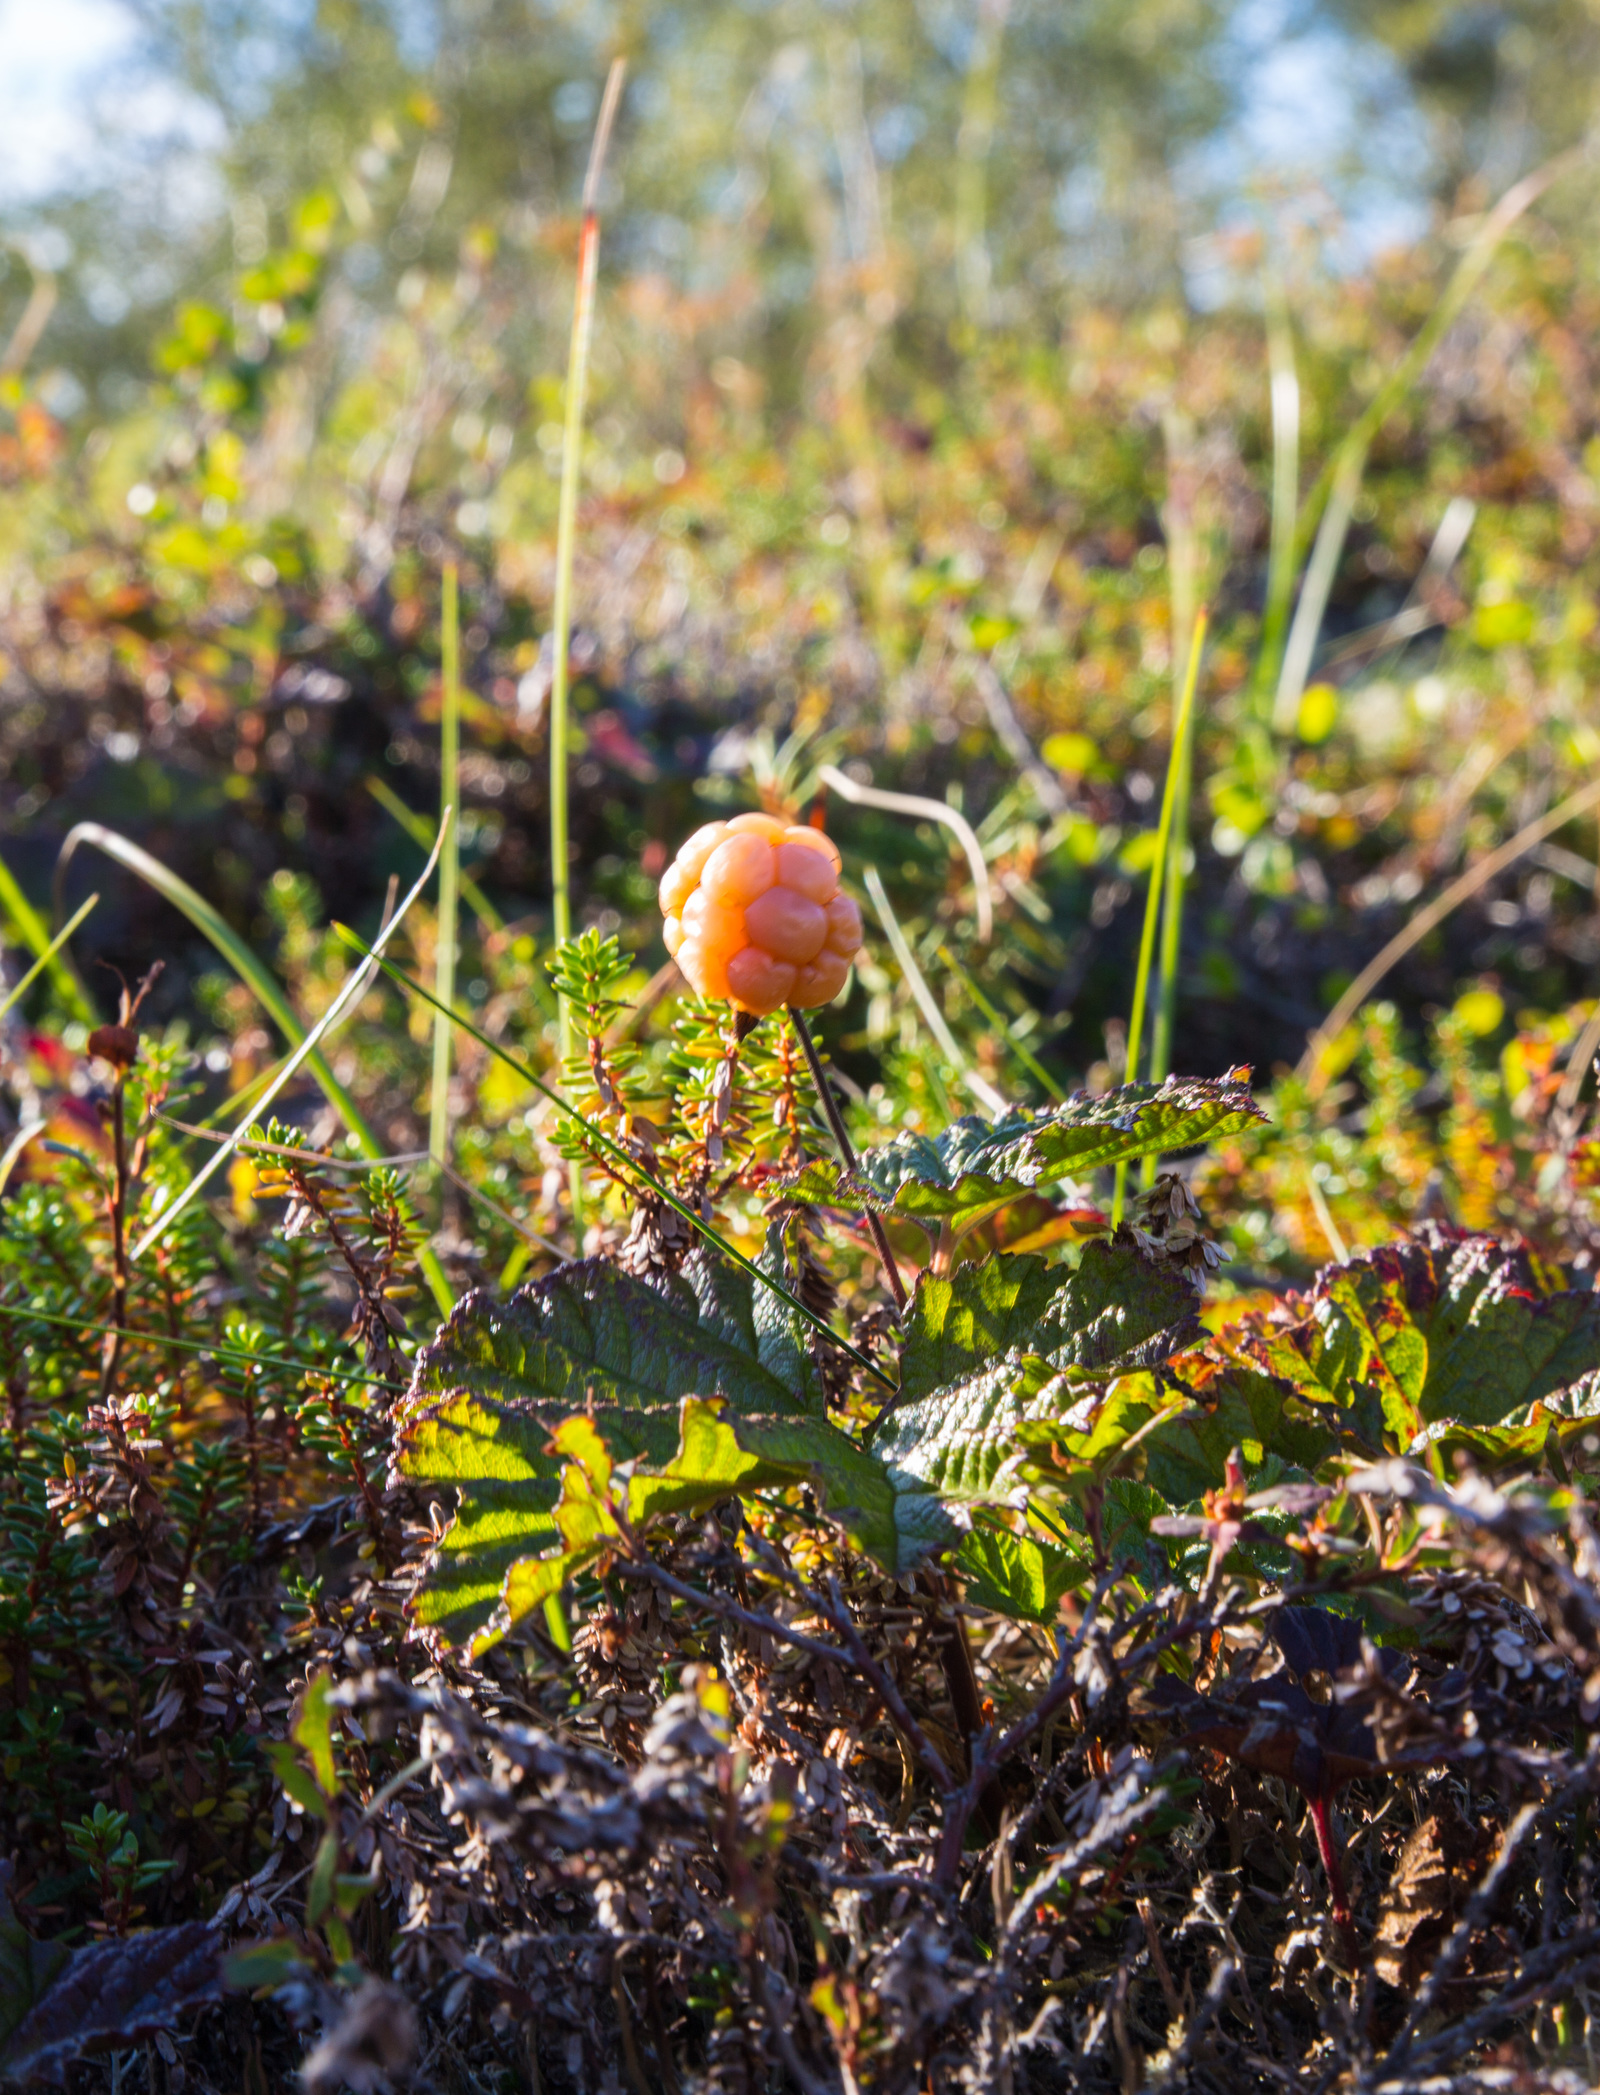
754	914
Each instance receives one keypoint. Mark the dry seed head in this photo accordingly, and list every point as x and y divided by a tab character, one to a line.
754	914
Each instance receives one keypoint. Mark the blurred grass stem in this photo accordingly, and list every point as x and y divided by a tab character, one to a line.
1312	1067
354	988
47	956
417	829
1339	486
926	1002
1156	892
30	929
999	1021
260	981
444	967
566	536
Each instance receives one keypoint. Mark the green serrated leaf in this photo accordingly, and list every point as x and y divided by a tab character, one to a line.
957	1324
1127	1508
1447	1327
1017	1575
590	1331
962	1441
975	1166
1118	1310
1186	1455
719	1455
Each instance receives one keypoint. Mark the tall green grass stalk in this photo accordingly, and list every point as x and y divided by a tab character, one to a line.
444	967
566	536
980	1087
1157	888
979	109
1176	884
1284	380
418	830
1002	1026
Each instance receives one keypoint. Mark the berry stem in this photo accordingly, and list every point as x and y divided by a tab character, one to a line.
835	1119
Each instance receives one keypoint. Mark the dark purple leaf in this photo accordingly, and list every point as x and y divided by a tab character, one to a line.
111	1993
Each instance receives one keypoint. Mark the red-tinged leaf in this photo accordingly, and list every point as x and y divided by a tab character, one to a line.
1448	1325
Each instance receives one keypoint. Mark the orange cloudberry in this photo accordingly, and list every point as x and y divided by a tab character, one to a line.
754	914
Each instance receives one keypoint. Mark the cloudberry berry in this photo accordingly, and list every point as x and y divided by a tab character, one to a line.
754	914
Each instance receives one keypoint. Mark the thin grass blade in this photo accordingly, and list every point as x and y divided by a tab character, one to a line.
164	1342
1002	1026
354	989
31	930
1153	897
927	1003
1176	888
258	980
14	1148
47	956
416	828
1340	485
1284	382
925	810
444	977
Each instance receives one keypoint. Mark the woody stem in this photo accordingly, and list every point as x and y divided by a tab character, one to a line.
835	1119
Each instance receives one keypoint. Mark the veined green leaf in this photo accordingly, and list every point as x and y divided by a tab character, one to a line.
975	1166
694	1389
963	1441
1017	1575
1115	1309
1445	1327
1118	1309
1186	1455
589	1330
533	1502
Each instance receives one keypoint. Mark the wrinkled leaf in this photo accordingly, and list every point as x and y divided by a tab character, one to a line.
105	1994
1126	1509
1448	1326
975	1166
963	1442
588	1330
495	1384
1230	1407
1117	1309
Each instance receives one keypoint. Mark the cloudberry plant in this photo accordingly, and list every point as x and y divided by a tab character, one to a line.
754	914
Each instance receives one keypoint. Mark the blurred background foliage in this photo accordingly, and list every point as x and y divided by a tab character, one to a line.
931	392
